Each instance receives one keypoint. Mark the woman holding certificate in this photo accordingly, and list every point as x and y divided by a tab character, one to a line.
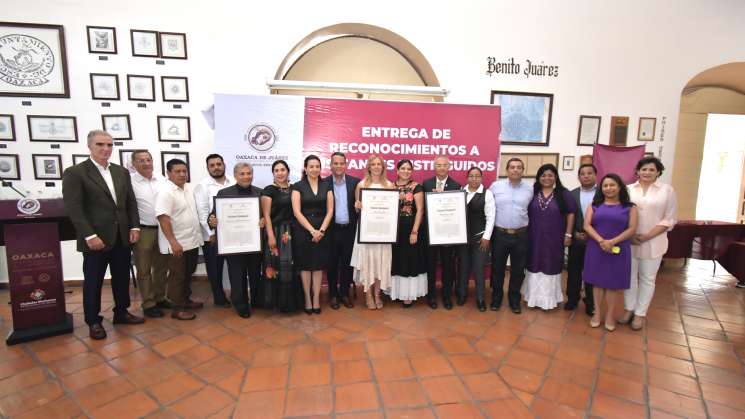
372	261
276	208
551	215
313	207
409	270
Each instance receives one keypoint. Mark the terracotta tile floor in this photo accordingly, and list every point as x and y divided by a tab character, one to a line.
395	363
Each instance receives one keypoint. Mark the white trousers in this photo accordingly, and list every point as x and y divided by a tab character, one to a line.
643	275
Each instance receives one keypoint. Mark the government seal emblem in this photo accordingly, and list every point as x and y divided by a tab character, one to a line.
37	294
25	61
261	137
28	206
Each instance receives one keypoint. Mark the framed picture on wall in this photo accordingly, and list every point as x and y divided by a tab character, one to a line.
567	163
117	126
125	159
589	130
646	129
7	128
79	158
144	43
104	86
526	117
101	39
47	166
173	45
55	129
141	88
166	156
34	62
174	129
533	161
9	168
174	89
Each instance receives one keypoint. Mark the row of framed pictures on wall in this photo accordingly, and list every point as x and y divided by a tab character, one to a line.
105	86
64	129
49	166
526	120
145	43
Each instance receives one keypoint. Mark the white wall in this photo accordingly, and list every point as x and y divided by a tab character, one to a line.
627	58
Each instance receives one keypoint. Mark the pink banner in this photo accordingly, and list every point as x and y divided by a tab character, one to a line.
619	160
467	134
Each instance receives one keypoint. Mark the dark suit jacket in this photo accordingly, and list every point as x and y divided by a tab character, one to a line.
351	186
430	184
579	217
91	208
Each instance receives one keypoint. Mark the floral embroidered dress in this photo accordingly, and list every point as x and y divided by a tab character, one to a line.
409	267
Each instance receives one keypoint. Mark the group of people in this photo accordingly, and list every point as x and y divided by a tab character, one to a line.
615	236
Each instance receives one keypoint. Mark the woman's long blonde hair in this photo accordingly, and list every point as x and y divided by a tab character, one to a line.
368	175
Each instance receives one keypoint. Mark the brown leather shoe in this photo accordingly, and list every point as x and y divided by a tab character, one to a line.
183	315
128	318
97	331
193	305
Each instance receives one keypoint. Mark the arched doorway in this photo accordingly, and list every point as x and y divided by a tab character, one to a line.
719	90
357	53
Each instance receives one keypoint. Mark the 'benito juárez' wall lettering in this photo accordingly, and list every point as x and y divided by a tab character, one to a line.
528	69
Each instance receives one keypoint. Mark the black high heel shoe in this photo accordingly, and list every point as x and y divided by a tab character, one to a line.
308	311
317	310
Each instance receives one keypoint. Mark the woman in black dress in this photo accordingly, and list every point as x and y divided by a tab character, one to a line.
313	207
281	287
409	267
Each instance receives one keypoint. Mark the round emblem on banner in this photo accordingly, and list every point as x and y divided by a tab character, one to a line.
261	137
25	60
44	277
28	206
37	294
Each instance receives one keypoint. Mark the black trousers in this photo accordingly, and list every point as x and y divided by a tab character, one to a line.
446	257
575	265
514	246
339	273
214	264
94	268
244	272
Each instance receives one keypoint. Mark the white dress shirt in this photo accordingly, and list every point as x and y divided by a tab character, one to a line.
205	190
488	209
106	174
179	205
146	190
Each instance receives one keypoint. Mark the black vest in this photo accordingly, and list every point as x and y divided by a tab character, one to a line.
476	219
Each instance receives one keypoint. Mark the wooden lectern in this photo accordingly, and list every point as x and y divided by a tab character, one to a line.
31	230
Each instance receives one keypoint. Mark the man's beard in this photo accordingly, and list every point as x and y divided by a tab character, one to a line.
217	176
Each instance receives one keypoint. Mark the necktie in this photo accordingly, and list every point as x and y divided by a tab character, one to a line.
440	186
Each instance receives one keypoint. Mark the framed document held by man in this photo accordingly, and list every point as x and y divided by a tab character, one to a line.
238	229
446	218
379	216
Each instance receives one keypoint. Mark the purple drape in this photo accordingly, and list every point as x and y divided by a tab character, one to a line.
619	160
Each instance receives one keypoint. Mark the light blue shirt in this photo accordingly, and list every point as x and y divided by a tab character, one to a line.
341	210
512	203
585	198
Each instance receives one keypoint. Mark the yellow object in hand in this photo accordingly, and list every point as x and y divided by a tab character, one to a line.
615	250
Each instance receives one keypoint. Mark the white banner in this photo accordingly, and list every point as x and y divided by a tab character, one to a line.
260	130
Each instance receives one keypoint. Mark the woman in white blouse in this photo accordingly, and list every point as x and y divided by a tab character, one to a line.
656	203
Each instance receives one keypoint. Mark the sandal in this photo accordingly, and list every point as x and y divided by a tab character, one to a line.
610	326
369	301
627	317
378	301
638	323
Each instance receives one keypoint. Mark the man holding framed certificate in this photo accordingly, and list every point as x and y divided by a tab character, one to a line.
237	222
441	246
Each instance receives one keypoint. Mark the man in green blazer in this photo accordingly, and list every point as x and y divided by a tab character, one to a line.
101	204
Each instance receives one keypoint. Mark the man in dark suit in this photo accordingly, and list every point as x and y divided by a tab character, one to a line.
583	196
244	269
341	232
101	204
441	182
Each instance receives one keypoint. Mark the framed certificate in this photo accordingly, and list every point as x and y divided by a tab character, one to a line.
238	228
446	218
379	216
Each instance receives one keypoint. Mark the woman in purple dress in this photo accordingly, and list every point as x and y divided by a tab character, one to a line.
610	222
551	215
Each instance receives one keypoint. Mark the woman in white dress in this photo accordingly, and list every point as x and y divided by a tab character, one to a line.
372	262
